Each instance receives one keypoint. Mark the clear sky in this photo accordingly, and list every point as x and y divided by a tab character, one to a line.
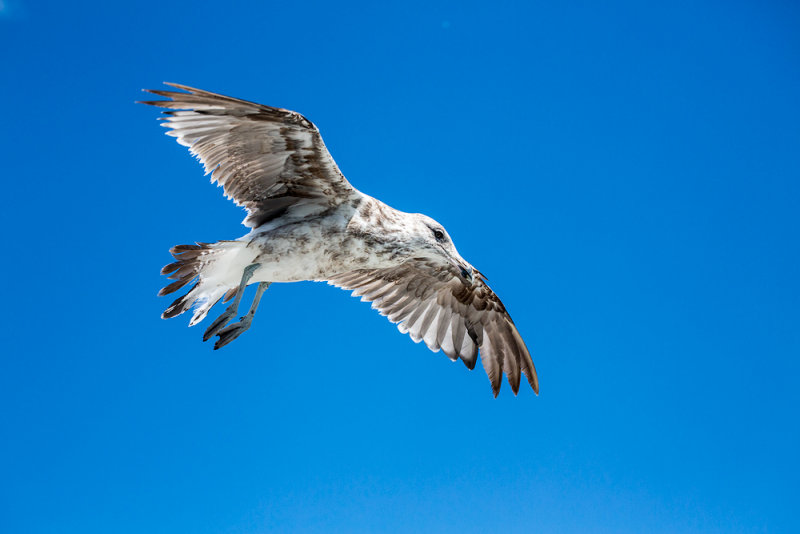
627	176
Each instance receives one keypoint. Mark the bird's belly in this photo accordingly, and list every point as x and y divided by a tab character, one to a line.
309	254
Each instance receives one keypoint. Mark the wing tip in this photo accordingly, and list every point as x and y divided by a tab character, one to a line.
188	89
167	94
532	376
496	381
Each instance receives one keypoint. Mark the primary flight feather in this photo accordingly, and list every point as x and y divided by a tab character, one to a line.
308	223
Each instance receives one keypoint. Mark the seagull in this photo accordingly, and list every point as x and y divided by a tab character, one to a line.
308	223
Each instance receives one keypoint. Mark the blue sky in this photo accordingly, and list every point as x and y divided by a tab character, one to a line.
626	175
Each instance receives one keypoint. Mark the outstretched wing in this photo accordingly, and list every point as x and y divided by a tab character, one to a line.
268	160
433	304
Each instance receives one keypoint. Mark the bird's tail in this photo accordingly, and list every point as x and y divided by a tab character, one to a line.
215	266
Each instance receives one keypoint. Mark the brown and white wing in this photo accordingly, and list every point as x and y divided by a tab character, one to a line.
269	160
434	305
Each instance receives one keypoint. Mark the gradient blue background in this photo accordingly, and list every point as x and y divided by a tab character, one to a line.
627	176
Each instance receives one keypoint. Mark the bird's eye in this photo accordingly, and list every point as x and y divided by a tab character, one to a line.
438	234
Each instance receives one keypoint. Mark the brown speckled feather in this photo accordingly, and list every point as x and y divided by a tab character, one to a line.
266	159
433	304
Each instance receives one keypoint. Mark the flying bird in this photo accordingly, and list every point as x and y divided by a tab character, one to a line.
308	223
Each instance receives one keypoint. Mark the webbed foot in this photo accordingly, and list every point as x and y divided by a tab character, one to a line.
220	322
231	332
233	309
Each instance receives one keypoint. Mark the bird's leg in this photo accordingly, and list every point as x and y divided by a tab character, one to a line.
233	309
231	332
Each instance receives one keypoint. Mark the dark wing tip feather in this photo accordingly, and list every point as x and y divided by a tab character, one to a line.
196	91
514	381
201	96
496	377
533	379
526	362
181	86
514	384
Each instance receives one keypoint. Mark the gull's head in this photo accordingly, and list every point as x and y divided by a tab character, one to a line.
431	237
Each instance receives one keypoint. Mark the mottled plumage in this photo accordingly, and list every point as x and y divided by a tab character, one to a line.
308	223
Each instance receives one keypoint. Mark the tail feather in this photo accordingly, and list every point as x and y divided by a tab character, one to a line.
172	267
205	303
215	266
179	306
185	270
174	286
